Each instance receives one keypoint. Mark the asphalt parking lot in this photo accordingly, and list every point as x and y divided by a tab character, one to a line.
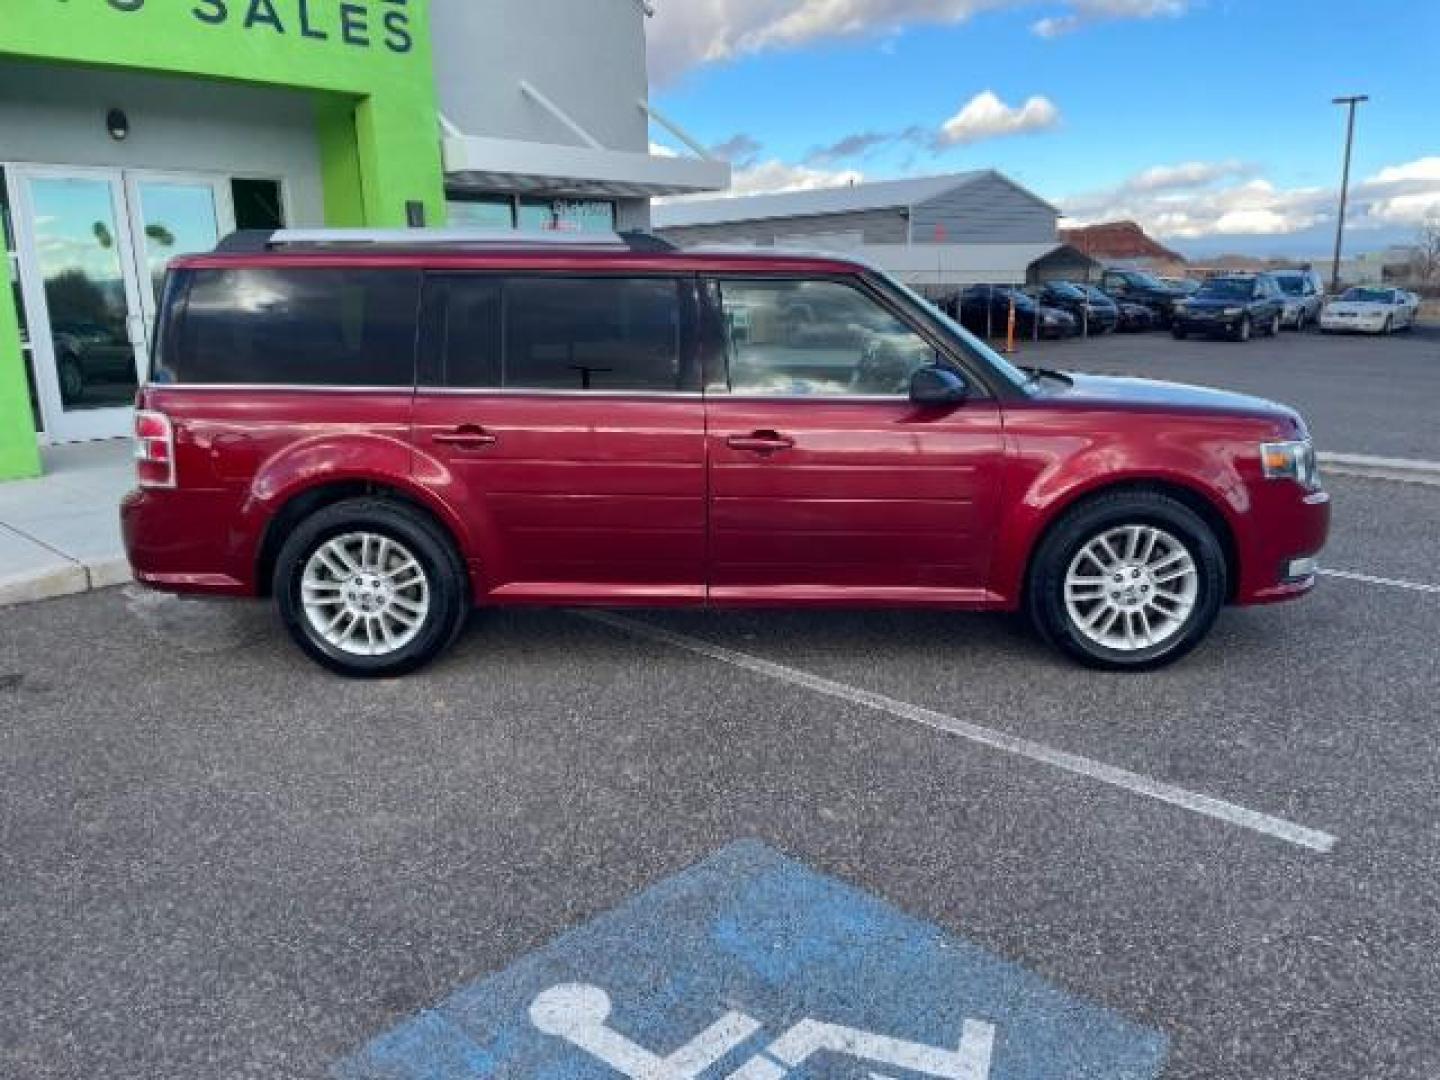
1361	394
221	862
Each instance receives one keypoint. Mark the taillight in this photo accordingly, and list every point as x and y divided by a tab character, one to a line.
154	450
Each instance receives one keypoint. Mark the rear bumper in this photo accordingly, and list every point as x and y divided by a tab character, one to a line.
1288	523
181	541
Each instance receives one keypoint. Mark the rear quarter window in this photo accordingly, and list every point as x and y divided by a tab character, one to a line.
291	327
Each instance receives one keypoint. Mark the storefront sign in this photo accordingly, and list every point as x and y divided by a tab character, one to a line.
374	24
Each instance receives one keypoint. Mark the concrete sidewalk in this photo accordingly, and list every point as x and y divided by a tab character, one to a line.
60	534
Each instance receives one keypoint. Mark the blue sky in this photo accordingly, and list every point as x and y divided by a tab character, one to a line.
1209	121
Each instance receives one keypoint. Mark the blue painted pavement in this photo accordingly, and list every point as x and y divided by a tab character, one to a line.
750	966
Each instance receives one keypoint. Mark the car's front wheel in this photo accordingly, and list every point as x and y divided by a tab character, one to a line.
1242	332
370	587
1128	581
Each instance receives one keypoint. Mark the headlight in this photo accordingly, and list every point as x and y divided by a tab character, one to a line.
1234	311
1291	461
1050	320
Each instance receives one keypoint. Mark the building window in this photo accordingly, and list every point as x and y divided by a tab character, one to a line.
258	204
567	215
532	214
483	212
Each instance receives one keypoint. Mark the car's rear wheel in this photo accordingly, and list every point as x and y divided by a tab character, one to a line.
1128	581
1177	333
369	587
1389	326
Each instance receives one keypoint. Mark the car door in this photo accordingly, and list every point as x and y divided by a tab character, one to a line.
562	416
827	484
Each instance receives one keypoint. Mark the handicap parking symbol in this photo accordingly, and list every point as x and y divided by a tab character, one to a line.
750	966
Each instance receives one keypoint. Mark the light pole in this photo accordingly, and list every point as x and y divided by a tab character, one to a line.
1350	102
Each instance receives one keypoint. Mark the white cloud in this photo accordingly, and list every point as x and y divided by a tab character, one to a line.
1198	199
661	150
1085	12
1187	174
688	33
1403	194
772	177
985	116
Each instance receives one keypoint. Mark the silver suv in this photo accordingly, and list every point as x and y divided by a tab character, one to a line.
1304	297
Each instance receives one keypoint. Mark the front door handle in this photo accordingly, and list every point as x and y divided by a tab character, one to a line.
466	437
761	442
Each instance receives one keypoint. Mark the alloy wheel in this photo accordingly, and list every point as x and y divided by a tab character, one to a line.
1132	588
365	594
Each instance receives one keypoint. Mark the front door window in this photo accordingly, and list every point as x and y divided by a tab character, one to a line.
816	337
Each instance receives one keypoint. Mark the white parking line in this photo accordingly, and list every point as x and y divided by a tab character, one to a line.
1393	583
1206	805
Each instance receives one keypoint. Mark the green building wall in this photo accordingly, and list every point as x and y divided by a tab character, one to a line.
368	65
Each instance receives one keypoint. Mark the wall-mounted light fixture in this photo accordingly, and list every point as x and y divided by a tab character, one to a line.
118	124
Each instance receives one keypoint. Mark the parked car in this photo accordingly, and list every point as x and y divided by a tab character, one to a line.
1183	285
1138	287
1369	310
1129	317
1304	297
1233	306
1090	317
985	310
384	430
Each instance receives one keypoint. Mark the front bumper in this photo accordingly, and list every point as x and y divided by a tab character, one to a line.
1368	325
1217	324
1287	524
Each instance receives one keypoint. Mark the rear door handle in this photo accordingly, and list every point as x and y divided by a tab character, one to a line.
761	442
466	437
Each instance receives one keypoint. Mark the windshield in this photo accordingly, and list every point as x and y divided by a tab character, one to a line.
1226	289
1065	291
1368	296
1291	286
968	341
1138	277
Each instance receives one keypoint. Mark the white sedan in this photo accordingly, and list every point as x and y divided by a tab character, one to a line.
1369	311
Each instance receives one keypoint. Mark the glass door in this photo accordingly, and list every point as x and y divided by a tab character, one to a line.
172	215
92	246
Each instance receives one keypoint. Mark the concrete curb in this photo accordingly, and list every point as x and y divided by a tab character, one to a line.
1403	470
65	580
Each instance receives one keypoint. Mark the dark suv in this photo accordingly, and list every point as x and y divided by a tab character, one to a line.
1233	306
1138	287
384	430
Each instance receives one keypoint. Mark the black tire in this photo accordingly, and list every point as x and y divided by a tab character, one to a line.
423	540
1177	334
1243	331
1389	327
1274	330
1045	587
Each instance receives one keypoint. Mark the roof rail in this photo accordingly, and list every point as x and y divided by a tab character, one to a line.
255	241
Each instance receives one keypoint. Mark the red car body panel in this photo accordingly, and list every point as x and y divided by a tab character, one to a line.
688	499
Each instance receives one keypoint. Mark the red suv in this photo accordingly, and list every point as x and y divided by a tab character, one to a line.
382	430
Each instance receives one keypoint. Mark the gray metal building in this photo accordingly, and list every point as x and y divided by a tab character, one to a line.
933	232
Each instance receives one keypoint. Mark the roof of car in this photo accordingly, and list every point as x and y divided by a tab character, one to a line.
423	248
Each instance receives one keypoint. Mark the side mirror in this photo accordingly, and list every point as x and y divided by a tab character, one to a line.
936	385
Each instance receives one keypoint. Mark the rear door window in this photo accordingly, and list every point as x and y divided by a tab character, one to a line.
557	333
294	327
